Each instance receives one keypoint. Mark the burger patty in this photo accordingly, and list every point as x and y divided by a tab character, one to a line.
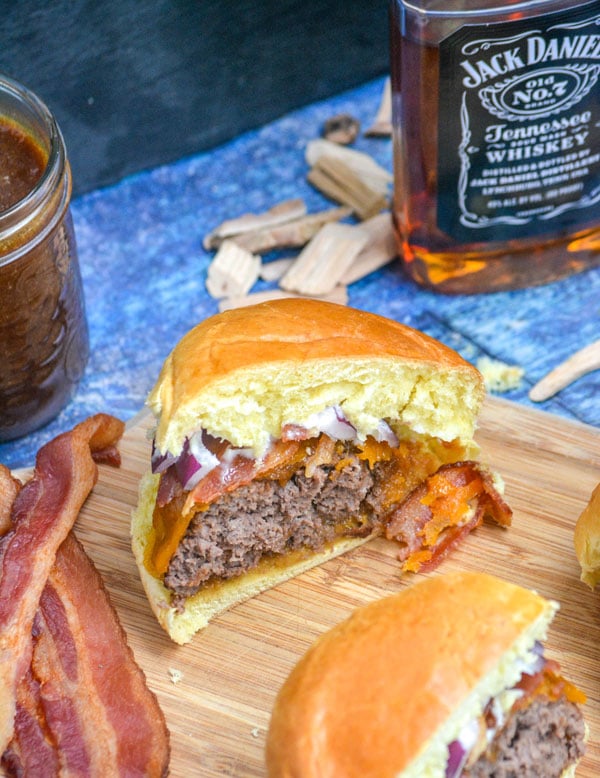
538	741
267	517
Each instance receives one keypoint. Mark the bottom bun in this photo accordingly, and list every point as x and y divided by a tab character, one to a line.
383	694
587	540
570	771
216	597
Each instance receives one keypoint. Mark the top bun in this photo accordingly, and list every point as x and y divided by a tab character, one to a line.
383	693
245	373
587	540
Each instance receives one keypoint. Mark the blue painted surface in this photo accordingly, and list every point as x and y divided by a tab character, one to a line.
144	270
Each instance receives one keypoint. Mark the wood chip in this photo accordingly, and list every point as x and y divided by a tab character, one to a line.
582	362
251	222
370	172
276	268
342	128
338	294
293	234
175	675
380	248
233	271
336	180
382	124
323	262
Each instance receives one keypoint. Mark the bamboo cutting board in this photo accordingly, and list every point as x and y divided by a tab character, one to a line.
217	691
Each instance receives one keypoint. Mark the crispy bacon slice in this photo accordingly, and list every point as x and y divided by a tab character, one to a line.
242	470
549	682
32	751
436	516
321	454
169	487
42	514
9	486
40	756
82	704
97	705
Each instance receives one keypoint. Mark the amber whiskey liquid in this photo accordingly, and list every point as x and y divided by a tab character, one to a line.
496	114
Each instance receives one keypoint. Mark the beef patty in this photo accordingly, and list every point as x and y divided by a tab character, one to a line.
267	517
538	741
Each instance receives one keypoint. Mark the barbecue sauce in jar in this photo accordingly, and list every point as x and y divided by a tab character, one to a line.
23	163
43	330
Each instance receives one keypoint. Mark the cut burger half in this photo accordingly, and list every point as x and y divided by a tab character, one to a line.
446	679
292	431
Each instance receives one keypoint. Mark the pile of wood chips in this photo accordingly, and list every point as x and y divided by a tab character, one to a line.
330	253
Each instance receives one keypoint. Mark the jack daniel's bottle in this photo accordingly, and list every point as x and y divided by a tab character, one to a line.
496	112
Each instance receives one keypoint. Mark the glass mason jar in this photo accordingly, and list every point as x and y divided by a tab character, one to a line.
43	330
496	125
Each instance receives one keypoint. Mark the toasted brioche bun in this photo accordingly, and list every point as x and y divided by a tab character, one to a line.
382	694
587	540
243	374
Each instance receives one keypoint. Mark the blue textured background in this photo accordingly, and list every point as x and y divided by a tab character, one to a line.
144	269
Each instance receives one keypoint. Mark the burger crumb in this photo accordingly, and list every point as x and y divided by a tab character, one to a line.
175	675
256	732
498	376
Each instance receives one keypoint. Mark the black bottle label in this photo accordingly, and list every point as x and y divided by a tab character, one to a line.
519	127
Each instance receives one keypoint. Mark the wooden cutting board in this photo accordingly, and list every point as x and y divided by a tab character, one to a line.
217	691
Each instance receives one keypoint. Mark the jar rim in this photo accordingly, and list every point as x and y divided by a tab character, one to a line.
56	150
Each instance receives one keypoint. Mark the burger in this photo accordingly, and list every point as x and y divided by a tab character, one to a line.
447	678
292	431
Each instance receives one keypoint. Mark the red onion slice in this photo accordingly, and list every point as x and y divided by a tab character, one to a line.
385	434
538	665
194	462
457	756
161	462
533	662
188	468
332	422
